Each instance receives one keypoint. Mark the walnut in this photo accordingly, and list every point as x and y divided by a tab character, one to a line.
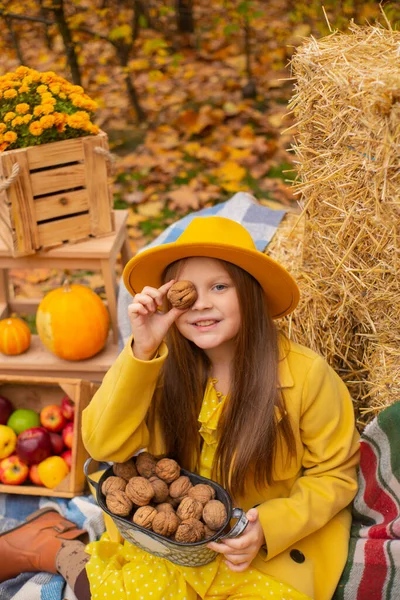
188	508
160	489
214	514
202	492
208	532
119	503
139	490
182	294
113	484
144	516
165	523
145	464
180	487
126	470
167	469
189	531
165	507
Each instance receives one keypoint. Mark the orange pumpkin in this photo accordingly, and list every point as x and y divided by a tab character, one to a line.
15	336
72	322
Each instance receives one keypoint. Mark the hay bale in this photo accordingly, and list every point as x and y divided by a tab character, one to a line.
347	141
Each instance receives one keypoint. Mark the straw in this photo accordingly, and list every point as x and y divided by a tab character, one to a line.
347	145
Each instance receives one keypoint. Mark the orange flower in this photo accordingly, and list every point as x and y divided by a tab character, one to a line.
41	89
10	94
17	121
22	108
2	127
10	136
8	116
47	121
35	128
27	118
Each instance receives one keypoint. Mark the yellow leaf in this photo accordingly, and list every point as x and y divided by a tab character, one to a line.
134	219
151	209
121	32
231	171
138	64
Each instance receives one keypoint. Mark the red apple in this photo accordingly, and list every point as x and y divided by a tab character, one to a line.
56	442
67	408
52	418
6	408
68	434
34	475
34	445
13	471
67	456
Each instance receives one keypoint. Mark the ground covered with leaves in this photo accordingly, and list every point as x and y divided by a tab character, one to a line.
212	115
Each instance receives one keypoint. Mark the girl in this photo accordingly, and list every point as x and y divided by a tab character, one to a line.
218	389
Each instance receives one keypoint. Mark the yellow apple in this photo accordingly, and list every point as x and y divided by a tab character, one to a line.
8	441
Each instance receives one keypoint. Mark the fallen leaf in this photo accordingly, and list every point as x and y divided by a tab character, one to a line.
151	209
183	199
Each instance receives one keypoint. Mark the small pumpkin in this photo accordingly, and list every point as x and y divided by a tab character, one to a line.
72	322
15	337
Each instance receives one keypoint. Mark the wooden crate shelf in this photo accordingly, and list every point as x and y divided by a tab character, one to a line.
57	193
40	360
36	392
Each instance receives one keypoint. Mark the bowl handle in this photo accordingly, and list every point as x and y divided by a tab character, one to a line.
239	526
86	471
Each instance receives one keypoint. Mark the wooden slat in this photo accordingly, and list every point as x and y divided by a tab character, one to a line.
55	153
97	185
57	180
73	228
59	205
6	229
20	196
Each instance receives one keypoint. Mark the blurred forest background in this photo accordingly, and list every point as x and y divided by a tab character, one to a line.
193	94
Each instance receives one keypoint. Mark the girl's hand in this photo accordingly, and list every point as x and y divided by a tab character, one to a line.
149	325
239	552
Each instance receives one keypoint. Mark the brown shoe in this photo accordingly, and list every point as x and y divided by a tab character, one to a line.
33	546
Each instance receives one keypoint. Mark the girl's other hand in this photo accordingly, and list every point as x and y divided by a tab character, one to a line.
149	324
239	552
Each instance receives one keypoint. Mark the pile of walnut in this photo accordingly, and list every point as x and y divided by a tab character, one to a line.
163	500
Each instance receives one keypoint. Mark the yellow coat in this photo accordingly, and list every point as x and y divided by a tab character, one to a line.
304	513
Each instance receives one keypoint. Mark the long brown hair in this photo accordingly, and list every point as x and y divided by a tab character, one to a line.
248	428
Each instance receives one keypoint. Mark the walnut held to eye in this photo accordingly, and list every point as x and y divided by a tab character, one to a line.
113	484
214	514
119	503
167	469
139	490
182	294
189	531
144	516
126	470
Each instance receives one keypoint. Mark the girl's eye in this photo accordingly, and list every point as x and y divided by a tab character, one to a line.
220	286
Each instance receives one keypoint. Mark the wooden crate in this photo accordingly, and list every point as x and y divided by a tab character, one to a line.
61	193
35	393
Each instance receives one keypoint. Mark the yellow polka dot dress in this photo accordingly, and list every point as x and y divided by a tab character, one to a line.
123	571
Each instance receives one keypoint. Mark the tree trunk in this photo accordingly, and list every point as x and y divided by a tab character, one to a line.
58	10
44	13
15	40
123	55
184	16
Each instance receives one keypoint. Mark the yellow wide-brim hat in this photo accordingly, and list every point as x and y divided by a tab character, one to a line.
221	238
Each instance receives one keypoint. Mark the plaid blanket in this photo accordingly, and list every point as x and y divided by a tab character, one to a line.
372	570
82	510
260	221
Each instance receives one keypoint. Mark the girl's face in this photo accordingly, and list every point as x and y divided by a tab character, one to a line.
213	320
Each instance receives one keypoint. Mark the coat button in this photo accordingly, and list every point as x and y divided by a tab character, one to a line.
297	556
